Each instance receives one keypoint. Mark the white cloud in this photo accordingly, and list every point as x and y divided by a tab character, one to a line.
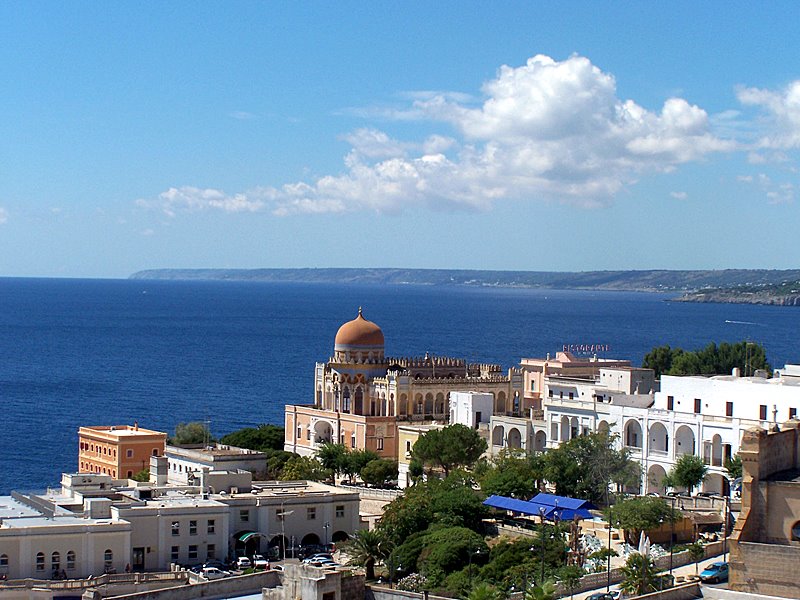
776	193
546	130
242	115
679	195
192	199
781	114
3	215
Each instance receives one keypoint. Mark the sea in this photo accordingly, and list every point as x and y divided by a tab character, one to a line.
103	352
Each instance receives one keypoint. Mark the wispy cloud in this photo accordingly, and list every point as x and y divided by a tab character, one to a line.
192	199
242	115
3	215
679	195
775	192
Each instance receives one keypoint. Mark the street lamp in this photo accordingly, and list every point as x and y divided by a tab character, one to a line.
282	515
725	532
541	534
671	535
326	525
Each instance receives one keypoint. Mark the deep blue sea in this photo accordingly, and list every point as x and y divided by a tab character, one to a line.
101	352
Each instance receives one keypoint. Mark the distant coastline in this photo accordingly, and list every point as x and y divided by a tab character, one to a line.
744	286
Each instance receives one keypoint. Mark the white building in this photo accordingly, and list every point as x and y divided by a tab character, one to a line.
470	408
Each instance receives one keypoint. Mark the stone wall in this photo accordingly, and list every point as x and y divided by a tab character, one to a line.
221	588
767	569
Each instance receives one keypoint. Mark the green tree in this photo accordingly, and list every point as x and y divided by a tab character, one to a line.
365	549
511	474
143	475
639	575
714	359
262	438
696	552
276	461
570	576
301	468
689	471
585	466
194	432
379	472
733	466
334	458
640	514
448	549
449	448
357	460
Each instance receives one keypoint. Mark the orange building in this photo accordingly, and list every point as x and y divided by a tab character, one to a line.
119	451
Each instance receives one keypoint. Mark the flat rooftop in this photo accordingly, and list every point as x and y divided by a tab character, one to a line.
119	430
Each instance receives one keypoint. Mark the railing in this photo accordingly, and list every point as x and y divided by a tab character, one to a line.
373	492
654	452
82	584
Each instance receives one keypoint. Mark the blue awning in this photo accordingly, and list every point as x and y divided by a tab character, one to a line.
548	506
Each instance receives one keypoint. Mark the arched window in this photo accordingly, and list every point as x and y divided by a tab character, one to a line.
108	560
71	560
55	561
40	561
796	532
155	451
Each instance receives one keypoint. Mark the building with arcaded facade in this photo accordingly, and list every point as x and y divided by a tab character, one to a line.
765	545
361	395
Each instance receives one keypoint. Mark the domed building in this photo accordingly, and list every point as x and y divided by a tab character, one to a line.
360	395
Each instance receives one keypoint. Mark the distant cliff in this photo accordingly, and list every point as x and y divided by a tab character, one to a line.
692	283
785	293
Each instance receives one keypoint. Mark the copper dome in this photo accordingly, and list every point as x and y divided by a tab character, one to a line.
359	332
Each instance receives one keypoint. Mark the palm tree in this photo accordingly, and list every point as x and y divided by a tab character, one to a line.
484	591
364	550
640	575
546	591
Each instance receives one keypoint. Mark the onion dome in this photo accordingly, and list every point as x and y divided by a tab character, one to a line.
359	333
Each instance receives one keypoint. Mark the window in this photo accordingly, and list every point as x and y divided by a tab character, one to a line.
70	560
192	527
129	453
175	554
353	441
561	394
408	446
729	409
308	434
792	413
211	551
155	451
3	560
379	444
211	526
193	552
670	402
299	432
311	513
762	412
571	396
40	561
697	403
533	385
244	515
340	511
176	528
550	393
55	561
108	560
130	474
796	532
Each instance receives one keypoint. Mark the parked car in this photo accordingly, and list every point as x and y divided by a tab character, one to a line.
212	573
321	561
715	573
216	563
259	562
600	596
243	563
318	557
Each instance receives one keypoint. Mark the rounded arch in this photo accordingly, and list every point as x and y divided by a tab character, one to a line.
514	438
796	532
633	434
359	401
655	479
540	441
603	427
440	403
340	536
564	428
323	432
402	405
429	403
500	403
716	450
659	439
684	440
310	539
498	433
418	405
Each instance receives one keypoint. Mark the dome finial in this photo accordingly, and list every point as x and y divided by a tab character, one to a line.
359	312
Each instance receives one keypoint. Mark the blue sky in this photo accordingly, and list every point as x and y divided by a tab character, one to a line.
506	135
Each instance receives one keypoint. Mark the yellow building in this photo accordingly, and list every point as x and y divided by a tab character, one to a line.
118	450
361	395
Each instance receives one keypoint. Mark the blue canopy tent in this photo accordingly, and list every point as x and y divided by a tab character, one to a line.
548	506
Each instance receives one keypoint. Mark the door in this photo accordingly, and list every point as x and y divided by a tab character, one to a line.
138	559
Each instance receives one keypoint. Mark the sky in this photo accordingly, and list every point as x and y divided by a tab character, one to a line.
557	136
